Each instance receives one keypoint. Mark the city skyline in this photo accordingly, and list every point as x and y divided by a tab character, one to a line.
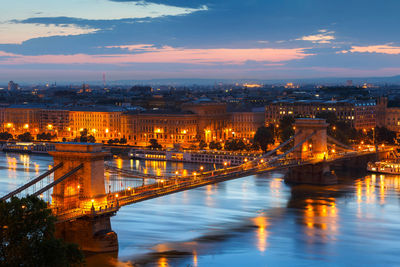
141	40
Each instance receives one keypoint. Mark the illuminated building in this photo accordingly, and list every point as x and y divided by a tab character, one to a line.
101	122
195	121
245	124
166	126
360	114
214	122
388	117
55	121
19	119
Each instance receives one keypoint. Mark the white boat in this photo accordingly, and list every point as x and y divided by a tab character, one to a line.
388	167
201	156
29	147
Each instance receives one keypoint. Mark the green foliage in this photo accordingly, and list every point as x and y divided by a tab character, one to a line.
5	136
215	145
25	137
27	236
154	144
234	144
264	136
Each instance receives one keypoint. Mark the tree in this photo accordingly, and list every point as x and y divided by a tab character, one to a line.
202	144
5	136
27	236
329	116
85	138
154	144
25	137
45	136
286	128
123	141
234	144
91	139
264	136
385	135
214	145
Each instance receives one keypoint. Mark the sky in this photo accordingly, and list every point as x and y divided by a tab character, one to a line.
79	40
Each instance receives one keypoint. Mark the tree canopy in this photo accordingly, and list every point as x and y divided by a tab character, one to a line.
25	137
27	236
5	136
154	144
264	136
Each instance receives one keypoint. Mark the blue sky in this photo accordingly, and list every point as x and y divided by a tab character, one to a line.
78	40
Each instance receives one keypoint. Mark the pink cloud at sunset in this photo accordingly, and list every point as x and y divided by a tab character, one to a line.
380	49
167	54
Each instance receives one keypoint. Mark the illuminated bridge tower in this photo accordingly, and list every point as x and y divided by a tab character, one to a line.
316	145
82	192
311	139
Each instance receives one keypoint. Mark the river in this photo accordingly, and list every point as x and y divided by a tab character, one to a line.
251	221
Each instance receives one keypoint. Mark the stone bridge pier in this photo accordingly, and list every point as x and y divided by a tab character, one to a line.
315	149
82	191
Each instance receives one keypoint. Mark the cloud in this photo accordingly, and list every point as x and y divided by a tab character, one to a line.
167	54
323	37
16	33
41	18
379	49
137	47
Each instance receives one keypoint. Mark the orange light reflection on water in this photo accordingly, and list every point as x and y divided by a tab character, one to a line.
321	219
163	262
262	232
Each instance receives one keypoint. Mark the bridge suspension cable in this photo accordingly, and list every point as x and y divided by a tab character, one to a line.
59	180
280	146
34	181
333	140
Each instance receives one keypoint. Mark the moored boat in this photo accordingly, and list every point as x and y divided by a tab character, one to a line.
388	167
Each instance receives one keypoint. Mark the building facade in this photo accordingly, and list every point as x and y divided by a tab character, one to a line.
360	114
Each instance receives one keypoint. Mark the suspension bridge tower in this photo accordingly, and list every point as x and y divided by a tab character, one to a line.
315	134
82	191
311	149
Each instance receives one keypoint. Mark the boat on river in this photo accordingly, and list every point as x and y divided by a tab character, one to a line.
386	166
28	147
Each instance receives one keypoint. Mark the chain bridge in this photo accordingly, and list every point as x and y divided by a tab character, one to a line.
83	203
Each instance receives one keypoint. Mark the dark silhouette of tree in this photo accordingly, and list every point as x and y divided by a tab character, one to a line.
214	145
27	236
286	128
384	135
234	144
5	136
154	144
264	136
85	138
202	144
45	136
25	137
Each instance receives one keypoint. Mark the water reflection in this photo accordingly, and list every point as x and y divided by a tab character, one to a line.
253	221
262	232
317	212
